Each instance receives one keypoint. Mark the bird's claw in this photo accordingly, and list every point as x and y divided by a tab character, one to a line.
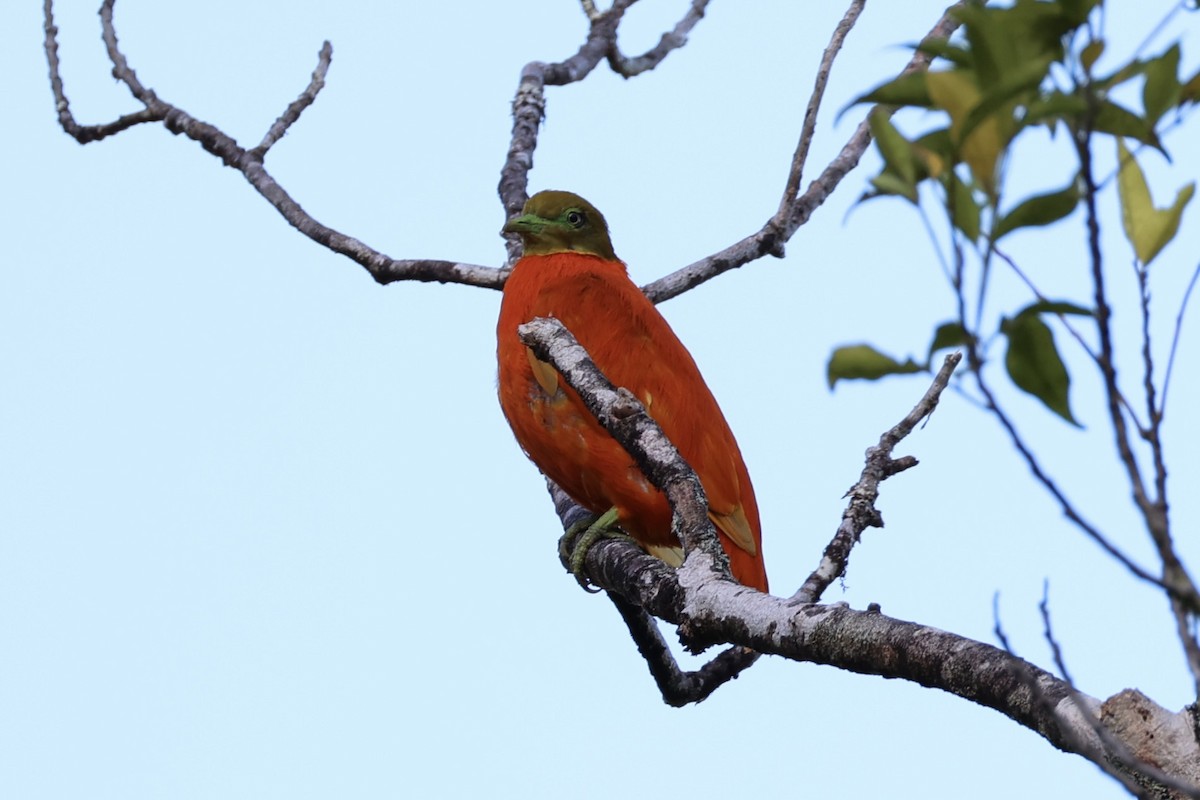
574	545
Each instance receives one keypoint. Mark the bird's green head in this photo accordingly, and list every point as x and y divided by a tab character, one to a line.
558	222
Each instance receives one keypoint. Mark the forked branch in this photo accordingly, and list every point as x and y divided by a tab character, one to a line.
383	269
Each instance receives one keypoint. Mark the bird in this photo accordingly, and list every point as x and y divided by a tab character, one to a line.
569	271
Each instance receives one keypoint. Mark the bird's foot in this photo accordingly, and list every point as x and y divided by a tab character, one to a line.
574	545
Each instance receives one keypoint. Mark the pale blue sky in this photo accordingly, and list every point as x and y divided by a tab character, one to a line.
265	534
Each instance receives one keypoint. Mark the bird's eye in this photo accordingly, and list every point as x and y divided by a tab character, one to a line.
576	218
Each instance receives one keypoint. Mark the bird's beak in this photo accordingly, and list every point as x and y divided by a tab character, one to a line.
526	223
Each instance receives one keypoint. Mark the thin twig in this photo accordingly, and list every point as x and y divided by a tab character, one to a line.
1107	356
381	267
121	69
83	134
1020	273
1084	728
671	40
1182	591
529	106
1055	650
292	113
1068	508
771	238
861	512
1071	329
589	9
679	687
808	128
1187	294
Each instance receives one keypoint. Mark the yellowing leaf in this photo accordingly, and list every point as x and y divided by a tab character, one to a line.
957	94
1147	228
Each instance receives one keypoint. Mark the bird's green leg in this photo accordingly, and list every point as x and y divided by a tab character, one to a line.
579	538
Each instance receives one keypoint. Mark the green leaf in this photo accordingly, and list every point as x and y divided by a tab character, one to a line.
895	149
1054	107
949	334
1162	90
863	362
1147	228
1190	92
1077	11
1125	73
1007	91
889	183
1034	365
1041	209
1112	118
941	48
1091	54
935	151
1055	307
907	90
1003	40
965	210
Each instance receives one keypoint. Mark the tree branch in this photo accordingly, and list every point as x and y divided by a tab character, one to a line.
861	512
292	113
871	643
1182	592
779	229
809	127
671	40
679	688
1183	304
83	134
529	102
249	162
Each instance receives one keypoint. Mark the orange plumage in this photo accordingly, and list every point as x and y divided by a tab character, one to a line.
570	273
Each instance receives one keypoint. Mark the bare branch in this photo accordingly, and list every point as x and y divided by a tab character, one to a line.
771	238
121	69
529	106
82	133
1181	589
528	111
807	130
1135	772
1155	517
249	162
590	10
671	40
865	642
1162	408
861	512
529	102
292	113
1068	508
679	688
